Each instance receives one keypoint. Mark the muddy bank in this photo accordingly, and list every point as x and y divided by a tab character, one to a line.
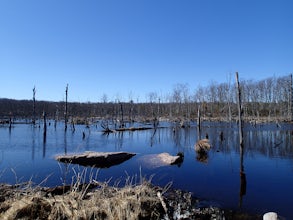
83	201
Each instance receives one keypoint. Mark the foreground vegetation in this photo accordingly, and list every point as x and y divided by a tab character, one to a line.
83	201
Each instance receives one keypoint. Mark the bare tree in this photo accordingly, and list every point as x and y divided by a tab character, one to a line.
66	109
34	105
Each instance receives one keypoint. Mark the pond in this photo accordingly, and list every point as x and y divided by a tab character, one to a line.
267	160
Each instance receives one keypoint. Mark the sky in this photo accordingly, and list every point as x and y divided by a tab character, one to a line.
127	49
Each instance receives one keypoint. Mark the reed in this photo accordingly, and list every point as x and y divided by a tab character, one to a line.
83	201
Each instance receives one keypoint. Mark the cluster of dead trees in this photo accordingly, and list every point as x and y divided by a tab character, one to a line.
270	98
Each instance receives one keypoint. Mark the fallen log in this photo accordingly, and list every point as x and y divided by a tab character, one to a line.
96	159
107	130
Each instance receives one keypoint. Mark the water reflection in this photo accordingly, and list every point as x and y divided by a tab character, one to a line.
44	144
33	142
153	137
65	143
242	191
267	153
202	157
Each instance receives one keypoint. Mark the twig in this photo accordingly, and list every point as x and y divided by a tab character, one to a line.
163	203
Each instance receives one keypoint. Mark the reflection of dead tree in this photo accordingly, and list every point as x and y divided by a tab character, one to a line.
153	137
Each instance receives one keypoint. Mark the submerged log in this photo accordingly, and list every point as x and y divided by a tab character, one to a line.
162	159
202	146
168	159
96	159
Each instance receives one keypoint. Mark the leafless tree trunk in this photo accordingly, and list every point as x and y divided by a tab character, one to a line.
45	127
240	111
56	117
198	122
34	106
122	116
66	109
242	173
291	99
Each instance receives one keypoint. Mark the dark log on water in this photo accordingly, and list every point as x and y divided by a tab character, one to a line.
107	130
96	159
134	129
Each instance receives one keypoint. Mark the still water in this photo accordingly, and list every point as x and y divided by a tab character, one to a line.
267	161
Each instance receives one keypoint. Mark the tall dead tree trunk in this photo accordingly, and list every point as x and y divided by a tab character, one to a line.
34	106
66	109
291	99
242	173
198	122
240	112
45	127
56	118
10	121
122	116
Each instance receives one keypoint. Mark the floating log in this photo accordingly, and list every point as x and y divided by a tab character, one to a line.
202	146
107	130
96	159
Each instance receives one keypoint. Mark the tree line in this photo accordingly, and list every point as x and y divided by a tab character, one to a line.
269	99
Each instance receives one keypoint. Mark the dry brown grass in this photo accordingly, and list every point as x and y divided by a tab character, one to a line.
202	145
133	201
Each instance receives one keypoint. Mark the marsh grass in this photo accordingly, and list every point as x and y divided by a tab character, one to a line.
133	197
135	200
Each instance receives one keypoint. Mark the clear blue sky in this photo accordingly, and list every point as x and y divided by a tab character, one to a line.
129	48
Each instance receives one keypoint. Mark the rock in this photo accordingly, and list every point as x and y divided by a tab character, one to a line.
96	159
270	216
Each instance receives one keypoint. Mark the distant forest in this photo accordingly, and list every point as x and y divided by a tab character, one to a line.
267	99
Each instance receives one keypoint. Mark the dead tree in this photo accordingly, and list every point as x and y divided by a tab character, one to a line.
34	106
122	116
291	99
45	127
66	110
56	117
240	112
242	173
